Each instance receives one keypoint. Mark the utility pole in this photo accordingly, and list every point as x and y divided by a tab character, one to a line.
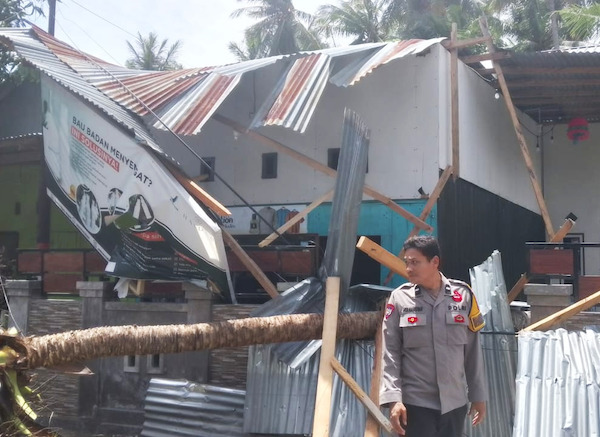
51	16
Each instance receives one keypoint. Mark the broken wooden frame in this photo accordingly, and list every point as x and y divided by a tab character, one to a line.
320	167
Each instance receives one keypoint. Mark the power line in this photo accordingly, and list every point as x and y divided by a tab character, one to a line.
104	19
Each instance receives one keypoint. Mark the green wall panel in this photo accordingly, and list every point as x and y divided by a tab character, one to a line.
376	219
18	197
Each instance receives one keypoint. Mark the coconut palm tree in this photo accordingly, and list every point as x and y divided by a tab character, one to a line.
249	49
152	54
363	20
581	22
281	28
18	354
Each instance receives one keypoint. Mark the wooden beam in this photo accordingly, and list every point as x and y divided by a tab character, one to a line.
324	198
362	396
252	267
454	105
320	167
197	192
431	201
461	44
556	238
372	426
520	137
565	313
485	57
325	379
381	255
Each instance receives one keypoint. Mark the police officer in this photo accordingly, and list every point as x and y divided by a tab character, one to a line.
432	359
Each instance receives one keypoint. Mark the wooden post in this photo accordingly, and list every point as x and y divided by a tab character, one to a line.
518	130
556	238
197	192
566	313
372	426
454	103
322	168
362	396
258	274
381	255
325	197
431	201
325	380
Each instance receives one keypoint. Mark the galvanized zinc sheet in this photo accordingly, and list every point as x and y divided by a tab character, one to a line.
499	348
36	53
180	408
558	384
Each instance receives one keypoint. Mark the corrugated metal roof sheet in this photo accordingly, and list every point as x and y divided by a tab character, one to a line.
179	408
499	349
40	56
558	384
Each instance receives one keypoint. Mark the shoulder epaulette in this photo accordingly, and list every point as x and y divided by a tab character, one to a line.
459	282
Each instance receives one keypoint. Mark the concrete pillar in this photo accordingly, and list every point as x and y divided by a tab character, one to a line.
546	299
93	295
20	292
199	304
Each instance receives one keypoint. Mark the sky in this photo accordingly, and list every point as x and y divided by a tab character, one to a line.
102	27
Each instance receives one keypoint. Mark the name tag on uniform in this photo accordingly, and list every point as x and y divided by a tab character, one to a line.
457	318
413	319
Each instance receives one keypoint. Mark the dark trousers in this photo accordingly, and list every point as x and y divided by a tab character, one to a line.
425	422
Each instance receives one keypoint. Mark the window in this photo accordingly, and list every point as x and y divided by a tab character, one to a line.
333	158
155	363
131	364
207	169
269	165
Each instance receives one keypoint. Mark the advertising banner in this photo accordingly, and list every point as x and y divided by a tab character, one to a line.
123	200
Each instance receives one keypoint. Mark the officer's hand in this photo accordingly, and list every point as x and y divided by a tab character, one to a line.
477	412
398	417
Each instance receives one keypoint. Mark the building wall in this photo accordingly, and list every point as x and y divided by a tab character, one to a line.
398	102
490	156
571	181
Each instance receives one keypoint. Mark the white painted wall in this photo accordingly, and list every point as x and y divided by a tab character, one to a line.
571	184
490	156
406	104
399	103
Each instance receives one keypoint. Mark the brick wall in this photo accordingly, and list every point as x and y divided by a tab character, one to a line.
59	392
227	367
579	321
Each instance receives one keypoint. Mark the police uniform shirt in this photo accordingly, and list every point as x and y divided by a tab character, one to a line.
432	357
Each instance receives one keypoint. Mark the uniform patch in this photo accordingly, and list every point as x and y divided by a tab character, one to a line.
412	319
476	321
389	309
459	318
456	296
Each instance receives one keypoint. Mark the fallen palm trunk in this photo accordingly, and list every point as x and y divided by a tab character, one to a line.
88	344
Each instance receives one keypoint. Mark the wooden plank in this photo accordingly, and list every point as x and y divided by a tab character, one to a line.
302	214
55	262
197	192
29	262
322	168
362	396
61	282
551	262
381	255
454	105
518	130
94	263
431	201
258	274
556	238
517	288
565	313
587	285
140	287
461	44
372	426
325	379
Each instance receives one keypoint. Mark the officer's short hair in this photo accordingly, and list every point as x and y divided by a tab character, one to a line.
425	244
